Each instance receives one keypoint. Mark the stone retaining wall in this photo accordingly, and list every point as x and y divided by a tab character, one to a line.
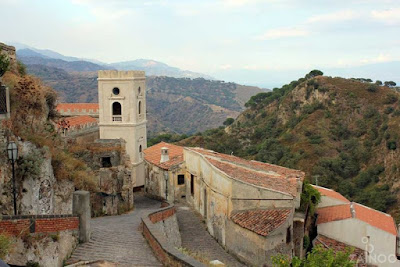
18	225
158	230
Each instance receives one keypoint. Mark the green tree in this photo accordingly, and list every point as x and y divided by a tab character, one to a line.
390	84
319	256
313	74
228	121
378	82
21	68
4	63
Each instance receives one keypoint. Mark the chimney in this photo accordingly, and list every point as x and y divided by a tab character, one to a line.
164	154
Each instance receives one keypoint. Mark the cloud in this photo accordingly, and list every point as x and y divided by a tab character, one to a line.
283	33
342	15
382	57
225	67
388	16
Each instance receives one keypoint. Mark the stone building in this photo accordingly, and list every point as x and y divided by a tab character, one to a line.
122	113
343	224
248	206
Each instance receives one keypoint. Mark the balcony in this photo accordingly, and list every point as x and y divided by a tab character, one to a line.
117	118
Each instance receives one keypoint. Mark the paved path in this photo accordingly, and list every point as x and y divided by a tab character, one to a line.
118	238
196	238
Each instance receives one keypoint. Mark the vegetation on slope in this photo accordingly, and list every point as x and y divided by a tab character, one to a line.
341	132
32	119
176	105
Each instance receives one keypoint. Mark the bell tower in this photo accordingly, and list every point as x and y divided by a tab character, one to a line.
122	113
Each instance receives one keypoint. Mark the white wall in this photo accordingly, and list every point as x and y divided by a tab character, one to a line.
354	232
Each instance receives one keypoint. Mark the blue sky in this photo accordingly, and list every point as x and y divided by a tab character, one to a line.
213	37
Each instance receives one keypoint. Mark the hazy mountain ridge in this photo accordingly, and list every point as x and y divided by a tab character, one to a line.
180	105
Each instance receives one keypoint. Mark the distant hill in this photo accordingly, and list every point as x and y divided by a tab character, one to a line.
342	132
178	105
152	67
31	55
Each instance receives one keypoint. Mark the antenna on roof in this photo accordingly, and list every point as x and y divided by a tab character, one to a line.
316	179
232	153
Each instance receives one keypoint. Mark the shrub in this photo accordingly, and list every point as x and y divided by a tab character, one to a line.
313	74
390	99
228	121
372	88
391	144
5	245
4	63
319	256
389	110
21	68
310	197
30	164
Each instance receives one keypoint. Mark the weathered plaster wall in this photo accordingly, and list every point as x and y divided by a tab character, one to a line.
382	242
329	201
256	250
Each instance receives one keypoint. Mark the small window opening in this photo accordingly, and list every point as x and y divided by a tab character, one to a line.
140	151
288	236
116	108
192	184
115	91
139	90
140	107
106	162
181	179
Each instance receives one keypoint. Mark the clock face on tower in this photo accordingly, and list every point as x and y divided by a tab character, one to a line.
115	91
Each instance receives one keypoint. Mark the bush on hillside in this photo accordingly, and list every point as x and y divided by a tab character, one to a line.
4	63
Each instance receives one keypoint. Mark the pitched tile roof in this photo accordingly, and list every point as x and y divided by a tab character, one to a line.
373	217
261	222
333	213
80	120
331	193
153	155
257	173
77	107
358	255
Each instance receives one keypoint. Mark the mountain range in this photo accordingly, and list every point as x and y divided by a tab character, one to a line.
178	101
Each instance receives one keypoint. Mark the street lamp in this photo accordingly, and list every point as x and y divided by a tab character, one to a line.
12	151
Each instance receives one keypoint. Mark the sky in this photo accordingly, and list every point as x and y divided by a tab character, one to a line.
222	38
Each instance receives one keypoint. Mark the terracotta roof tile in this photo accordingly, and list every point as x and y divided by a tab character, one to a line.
334	213
331	193
261	222
257	173
153	155
358	255
256	165
80	120
375	218
77	107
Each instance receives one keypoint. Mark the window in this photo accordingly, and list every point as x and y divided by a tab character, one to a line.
192	184
138	90
116	109
106	162
140	107
288	236
140	151
181	179
115	91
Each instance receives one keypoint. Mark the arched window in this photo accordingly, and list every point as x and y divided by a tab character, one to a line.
116	109
140	107
140	151
138	90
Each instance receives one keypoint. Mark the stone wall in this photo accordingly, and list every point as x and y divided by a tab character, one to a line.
166	222
45	239
37	194
159	240
254	249
23	224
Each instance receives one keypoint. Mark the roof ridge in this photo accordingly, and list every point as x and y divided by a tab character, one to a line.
384	213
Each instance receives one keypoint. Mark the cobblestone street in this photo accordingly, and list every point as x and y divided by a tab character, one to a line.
118	238
196	239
